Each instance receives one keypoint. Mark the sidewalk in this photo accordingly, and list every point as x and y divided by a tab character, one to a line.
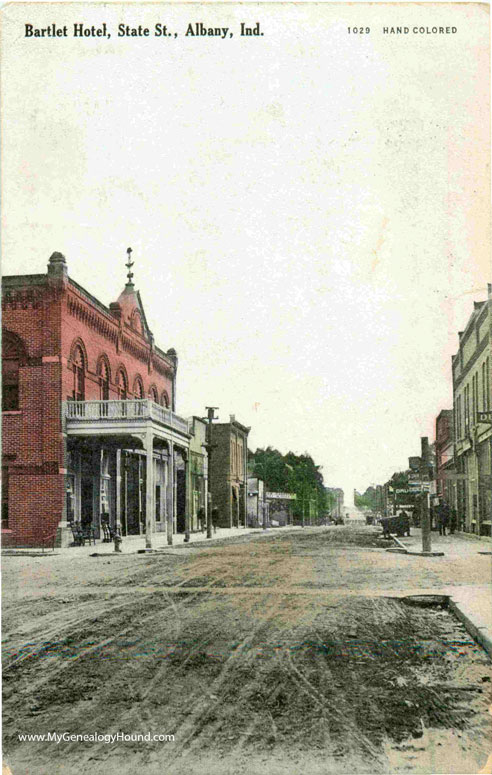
456	545
135	544
471	603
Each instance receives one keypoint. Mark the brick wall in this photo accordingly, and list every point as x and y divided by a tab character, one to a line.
36	309
102	336
32	443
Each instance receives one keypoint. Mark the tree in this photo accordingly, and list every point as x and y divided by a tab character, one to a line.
297	474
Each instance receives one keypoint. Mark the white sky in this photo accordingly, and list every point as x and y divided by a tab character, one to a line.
308	209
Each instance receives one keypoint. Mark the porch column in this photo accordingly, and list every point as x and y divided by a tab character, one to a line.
170	494
149	489
118	492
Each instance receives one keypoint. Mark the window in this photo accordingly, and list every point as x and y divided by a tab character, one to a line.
122	383
138	390
5	497
153	394
164	399
484	388
474	399
10	384
103	373
104	501
487	373
240	458
12	353
78	374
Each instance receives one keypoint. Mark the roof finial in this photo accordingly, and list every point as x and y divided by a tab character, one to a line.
129	265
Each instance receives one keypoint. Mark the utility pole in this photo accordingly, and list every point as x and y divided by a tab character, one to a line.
209	447
425	517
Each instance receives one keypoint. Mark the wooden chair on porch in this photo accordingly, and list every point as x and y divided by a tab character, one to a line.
88	534
78	538
82	534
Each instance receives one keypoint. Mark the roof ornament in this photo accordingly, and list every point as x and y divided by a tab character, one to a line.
129	265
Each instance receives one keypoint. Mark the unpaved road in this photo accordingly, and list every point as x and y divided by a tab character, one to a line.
268	655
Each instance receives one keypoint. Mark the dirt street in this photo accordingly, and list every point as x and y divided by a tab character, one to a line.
273	654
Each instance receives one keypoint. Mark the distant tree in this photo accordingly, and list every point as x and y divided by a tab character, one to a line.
297	474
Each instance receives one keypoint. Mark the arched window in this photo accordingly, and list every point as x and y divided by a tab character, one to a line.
138	390
79	365
103	374
12	354
122	383
153	394
136	321
164	399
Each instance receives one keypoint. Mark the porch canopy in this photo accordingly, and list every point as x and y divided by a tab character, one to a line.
137	423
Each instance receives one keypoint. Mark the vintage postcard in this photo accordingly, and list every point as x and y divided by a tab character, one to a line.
246	388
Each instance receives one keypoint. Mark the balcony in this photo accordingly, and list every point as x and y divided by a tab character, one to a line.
134	413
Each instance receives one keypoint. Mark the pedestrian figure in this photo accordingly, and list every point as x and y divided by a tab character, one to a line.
201	519
453	521
445	518
215	518
441	520
405	523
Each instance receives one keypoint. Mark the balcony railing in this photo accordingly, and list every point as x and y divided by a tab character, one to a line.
136	409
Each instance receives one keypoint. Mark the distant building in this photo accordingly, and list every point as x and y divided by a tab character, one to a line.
473	419
279	505
444	472
198	472
257	505
337	510
228	471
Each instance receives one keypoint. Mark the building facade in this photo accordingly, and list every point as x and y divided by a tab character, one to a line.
198	473
228	471
280	508
445	471
473	420
257	506
90	433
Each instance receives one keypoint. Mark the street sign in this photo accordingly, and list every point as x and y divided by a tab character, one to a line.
485	417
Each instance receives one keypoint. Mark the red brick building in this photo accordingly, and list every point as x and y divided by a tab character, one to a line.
90	432
445	482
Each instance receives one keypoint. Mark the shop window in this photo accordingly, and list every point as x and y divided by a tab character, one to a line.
70	495
104	502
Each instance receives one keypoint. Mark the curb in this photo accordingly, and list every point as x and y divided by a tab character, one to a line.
482	635
402	549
